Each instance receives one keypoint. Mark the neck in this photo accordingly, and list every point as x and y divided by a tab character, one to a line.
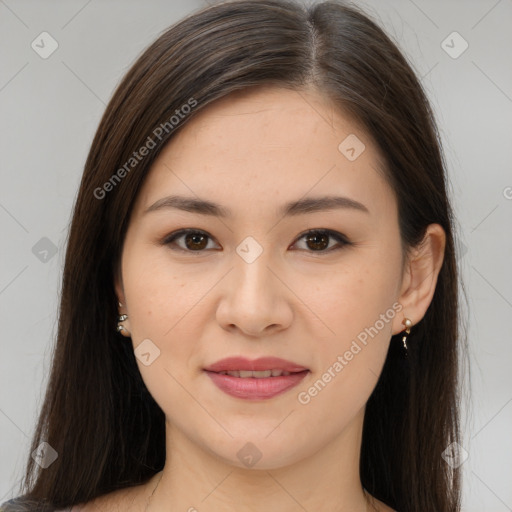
195	480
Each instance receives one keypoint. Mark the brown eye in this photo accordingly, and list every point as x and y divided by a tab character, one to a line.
319	240
194	240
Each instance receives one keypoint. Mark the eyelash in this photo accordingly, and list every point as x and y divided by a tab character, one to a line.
339	237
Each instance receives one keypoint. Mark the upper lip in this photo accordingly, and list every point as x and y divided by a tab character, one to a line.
255	365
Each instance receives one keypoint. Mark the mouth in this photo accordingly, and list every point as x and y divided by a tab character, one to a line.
263	374
258	379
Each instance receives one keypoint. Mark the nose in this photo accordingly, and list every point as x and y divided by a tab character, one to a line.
254	299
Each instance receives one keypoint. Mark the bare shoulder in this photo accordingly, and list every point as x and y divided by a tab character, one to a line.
128	500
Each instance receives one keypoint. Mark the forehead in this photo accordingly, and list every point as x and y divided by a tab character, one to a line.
266	144
288	117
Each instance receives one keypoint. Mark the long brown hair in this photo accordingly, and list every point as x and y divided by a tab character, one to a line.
97	414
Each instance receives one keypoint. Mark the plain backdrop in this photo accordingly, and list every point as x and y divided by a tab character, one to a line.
50	108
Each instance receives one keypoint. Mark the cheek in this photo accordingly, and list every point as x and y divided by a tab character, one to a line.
356	307
163	308
348	301
350	360
160	296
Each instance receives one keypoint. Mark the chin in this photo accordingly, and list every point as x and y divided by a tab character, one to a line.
258	450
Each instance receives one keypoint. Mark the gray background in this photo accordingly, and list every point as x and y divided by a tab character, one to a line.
50	109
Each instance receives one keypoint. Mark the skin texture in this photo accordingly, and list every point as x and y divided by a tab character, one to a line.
251	152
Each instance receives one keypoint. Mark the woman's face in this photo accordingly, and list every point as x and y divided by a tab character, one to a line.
253	284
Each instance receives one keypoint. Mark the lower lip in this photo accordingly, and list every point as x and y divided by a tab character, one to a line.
251	388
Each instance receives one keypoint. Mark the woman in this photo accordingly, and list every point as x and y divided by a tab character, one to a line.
264	212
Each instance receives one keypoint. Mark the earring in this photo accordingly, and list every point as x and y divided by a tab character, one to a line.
408	325
120	326
122	318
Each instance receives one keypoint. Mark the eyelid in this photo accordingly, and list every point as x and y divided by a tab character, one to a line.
336	235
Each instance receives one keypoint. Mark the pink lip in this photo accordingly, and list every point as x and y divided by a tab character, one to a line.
252	388
256	365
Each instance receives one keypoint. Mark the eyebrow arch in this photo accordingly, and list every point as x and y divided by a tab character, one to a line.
301	206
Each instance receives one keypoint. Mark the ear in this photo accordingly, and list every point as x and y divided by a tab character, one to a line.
420	277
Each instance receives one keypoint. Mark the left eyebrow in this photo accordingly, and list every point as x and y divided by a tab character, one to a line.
299	207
